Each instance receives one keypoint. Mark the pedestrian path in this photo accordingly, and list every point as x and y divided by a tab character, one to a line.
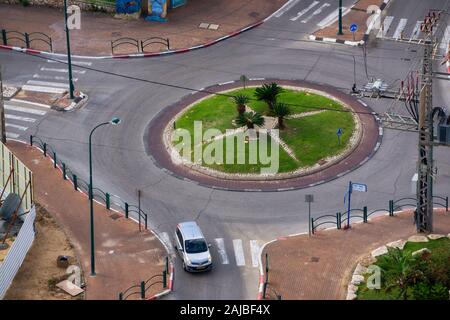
236	252
52	78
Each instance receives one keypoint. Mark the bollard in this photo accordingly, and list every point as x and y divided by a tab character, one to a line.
365	214
391	208
126	210
146	228
64	171
167	265
45	149
312	225
5	39
142	289
108	205
75	182
446	203
264	291
164	276
31	139
267	267
27	40
121	296
54	159
338	220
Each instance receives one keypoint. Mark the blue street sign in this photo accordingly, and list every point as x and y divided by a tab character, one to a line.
353	27
359	187
339	134
352	187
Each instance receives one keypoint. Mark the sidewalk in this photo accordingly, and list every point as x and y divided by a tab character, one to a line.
98	29
320	267
124	256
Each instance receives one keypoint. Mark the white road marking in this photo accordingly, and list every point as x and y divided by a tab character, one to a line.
239	252
331	18
42	89
48	84
62	70
32	103
255	249
386	25
415	33
445	40
14	117
15	126
81	63
165	237
38	76
400	27
301	13
26	110
221	249
288	7
318	11
12	135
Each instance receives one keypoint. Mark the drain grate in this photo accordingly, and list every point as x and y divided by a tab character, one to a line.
315	259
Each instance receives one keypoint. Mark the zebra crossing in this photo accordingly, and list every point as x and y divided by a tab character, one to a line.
230	252
20	115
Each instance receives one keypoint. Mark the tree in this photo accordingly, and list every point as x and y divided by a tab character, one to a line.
281	110
241	100
250	120
268	93
399	270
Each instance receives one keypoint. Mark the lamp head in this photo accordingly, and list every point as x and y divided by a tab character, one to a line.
115	121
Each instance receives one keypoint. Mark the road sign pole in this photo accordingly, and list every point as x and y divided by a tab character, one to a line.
309	218
349	206
340	18
69	58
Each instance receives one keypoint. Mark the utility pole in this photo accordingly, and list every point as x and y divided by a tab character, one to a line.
425	170
340	18
2	111
69	58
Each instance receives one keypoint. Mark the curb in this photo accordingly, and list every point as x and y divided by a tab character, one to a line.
347	42
171	265
137	55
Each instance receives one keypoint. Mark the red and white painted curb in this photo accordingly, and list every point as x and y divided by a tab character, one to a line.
171	266
137	55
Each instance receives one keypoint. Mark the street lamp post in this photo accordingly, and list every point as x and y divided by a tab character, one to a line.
340	18
114	121
69	58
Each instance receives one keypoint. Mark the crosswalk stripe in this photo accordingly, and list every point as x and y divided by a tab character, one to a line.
401	25
301	13
12	135
42	89
318	11
332	17
14	117
48	84
221	249
239	252
286	8
62	70
15	126
445	39
26	110
38	76
386	25
81	63
31	103
165	237
415	33
254	247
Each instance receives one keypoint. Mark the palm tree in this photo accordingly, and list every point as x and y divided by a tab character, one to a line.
268	93
250	120
281	110
241	100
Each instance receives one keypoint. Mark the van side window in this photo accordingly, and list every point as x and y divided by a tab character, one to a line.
180	238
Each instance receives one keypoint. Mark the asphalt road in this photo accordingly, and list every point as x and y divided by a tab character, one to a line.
276	50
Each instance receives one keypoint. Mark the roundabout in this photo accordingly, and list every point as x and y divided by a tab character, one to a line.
220	137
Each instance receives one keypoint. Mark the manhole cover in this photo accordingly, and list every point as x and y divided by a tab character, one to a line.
115	216
315	259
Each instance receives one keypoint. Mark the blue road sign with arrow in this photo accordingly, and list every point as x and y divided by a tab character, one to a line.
339	134
353	27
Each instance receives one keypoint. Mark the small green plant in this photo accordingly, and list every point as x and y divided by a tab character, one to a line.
241	100
281	110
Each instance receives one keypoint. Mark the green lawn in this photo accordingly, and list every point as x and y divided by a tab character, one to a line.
311	138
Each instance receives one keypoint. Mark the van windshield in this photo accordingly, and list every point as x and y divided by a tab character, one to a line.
196	246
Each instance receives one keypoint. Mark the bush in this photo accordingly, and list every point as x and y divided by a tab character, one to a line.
425	291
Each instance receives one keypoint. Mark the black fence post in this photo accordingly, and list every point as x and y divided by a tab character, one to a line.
164	276
75	181
107	201
126	210
338	220
146	228
51	45
267	267
64	171
446	203
168	44
121	296
54	159
142	289
264	291
27	40
5	39
31	139
391	208
365	214
312	225
45	149
167	265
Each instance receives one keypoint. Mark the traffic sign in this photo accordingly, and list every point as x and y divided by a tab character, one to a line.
353	27
339	134
359	187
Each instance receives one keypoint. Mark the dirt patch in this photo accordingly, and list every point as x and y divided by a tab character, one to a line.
39	274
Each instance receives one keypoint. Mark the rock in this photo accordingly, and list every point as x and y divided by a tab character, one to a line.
418	239
360	270
435	236
400	244
351	296
357	280
367	261
379	251
421	252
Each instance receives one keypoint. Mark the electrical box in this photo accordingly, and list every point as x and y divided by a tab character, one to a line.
444	134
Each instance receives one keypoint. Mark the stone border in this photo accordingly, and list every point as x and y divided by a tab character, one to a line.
354	141
361	267
371	139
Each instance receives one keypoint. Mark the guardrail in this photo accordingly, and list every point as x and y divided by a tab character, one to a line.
363	214
139	45
26	38
143	286
110	201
